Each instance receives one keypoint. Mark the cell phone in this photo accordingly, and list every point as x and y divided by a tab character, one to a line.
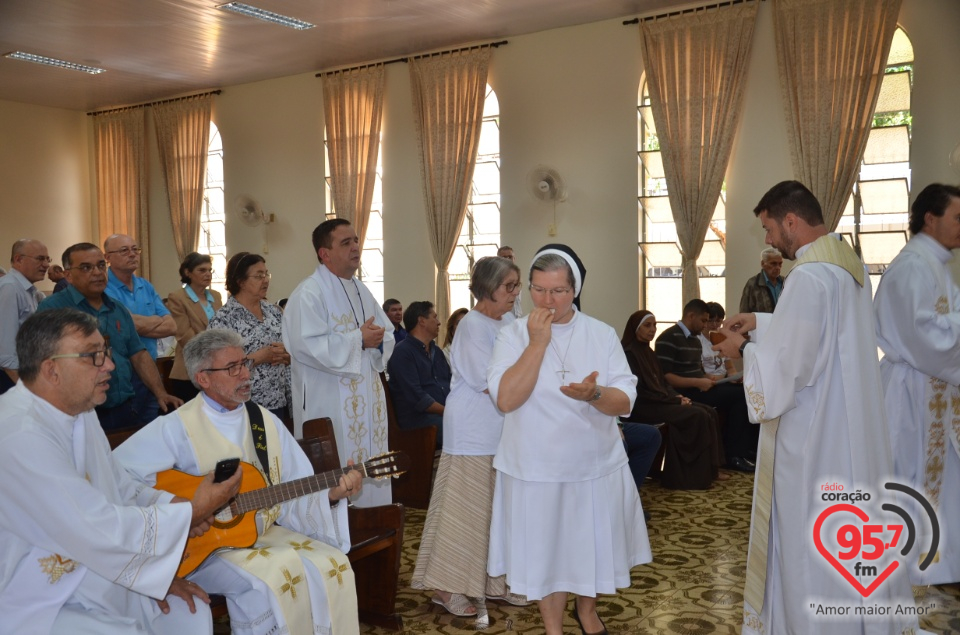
225	469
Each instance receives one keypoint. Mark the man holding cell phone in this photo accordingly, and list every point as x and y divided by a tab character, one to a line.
296	577
85	548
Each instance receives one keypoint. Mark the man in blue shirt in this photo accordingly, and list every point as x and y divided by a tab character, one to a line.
394	310
418	371
86	270
18	301
150	317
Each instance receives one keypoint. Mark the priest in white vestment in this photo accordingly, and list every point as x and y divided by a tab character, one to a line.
918	328
296	577
83	547
334	329
812	380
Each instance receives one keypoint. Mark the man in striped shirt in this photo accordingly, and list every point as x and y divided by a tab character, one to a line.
679	353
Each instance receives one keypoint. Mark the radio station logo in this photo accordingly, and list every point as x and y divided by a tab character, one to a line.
866	547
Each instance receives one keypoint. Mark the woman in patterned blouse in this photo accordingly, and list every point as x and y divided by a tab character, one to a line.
259	322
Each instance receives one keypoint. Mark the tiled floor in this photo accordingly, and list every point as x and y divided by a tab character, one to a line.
694	586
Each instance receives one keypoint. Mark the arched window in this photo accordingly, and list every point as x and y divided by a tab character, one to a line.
877	215
371	259
213	240
480	234
661	282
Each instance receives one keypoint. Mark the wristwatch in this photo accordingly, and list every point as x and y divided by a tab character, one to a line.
743	346
596	395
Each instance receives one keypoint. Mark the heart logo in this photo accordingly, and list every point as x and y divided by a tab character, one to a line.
829	557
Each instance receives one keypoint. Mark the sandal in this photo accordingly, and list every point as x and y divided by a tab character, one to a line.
458	605
512	598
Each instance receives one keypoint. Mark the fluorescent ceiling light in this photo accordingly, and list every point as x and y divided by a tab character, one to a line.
266	16
49	61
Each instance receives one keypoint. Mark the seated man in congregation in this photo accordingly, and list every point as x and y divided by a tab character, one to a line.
418	371
85	548
680	355
296	577
394	310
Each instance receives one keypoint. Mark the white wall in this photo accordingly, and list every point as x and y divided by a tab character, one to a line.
45	181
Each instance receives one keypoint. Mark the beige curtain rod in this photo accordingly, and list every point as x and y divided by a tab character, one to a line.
416	57
685	11
153	103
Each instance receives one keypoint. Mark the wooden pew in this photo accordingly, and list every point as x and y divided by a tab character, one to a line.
413	488
376	536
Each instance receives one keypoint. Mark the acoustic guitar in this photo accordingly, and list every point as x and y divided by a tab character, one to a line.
235	526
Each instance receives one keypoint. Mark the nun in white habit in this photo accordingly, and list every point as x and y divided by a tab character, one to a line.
566	514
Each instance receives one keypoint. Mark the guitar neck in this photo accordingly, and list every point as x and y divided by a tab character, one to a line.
267	497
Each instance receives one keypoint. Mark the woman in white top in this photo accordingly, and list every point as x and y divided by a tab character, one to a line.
566	514
453	548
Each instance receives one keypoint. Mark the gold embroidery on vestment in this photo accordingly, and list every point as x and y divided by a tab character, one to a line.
56	566
305	545
258	551
291	583
337	571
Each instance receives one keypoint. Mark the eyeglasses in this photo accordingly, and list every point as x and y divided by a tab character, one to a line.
510	286
210	271
40	259
86	267
261	276
126	251
233	369
98	357
553	292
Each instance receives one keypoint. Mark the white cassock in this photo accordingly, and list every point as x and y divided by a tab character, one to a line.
83	547
814	367
918	328
282	584
333	376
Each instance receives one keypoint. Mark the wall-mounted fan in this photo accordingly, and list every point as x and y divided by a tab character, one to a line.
252	215
547	185
955	159
250	212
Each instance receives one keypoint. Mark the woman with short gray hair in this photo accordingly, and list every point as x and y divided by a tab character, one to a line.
453	549
566	514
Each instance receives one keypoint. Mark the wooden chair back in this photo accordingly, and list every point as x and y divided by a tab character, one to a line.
413	488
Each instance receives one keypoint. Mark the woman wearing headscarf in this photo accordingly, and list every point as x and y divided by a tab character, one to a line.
566	514
453	549
693	447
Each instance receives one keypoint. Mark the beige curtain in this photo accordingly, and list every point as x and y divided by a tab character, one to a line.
119	139
831	57
448	95
695	65
353	109
183	136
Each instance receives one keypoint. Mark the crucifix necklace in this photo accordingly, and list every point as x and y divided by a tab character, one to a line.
563	360
350	302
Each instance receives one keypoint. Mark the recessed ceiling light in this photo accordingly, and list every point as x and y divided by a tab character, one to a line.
49	61
266	16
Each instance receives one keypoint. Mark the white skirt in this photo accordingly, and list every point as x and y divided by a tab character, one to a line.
581	537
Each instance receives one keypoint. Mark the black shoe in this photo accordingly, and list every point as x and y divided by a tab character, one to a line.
741	465
576	616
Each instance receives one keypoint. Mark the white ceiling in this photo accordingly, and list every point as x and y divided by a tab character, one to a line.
154	49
